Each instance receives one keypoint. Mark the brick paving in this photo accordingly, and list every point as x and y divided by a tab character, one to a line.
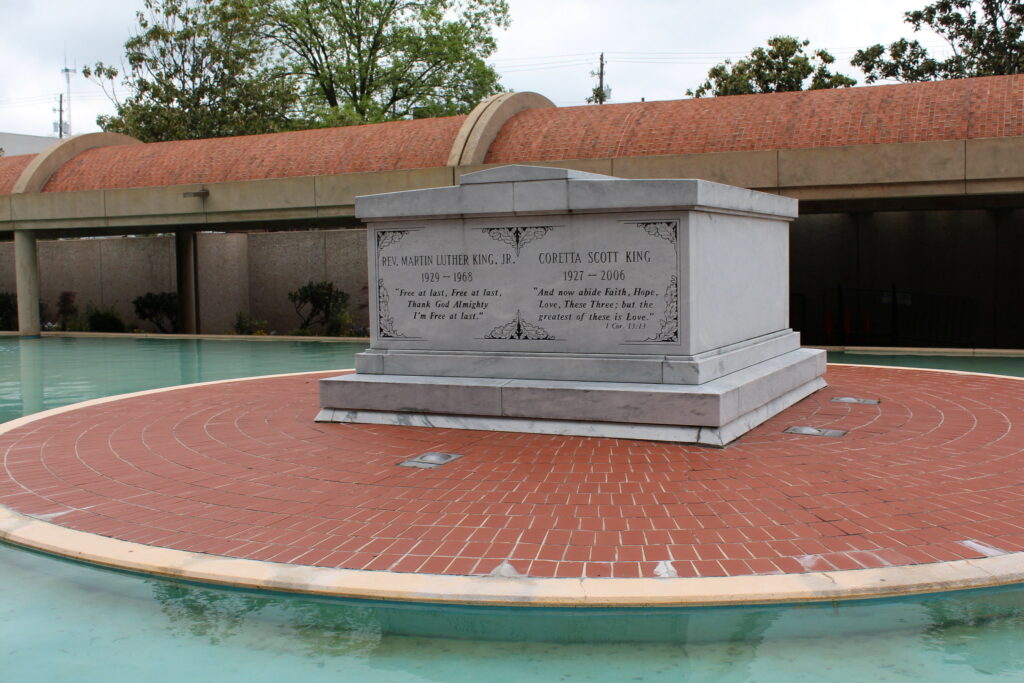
935	472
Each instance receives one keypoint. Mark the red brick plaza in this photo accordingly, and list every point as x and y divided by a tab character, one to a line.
933	473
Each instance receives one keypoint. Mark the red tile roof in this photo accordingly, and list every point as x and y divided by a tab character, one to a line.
10	170
324	151
919	112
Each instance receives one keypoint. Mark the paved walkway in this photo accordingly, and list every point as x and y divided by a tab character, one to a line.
934	473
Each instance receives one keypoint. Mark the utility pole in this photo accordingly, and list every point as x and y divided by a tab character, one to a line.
601	93
59	126
67	88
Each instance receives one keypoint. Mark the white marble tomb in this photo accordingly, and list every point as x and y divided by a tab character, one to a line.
554	301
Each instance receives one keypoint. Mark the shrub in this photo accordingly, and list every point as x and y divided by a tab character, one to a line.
8	311
67	311
320	304
246	324
103	320
339	324
160	309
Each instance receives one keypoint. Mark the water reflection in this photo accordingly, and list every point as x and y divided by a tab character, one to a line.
905	638
317	629
30	363
215	616
327	625
217	613
157	630
957	624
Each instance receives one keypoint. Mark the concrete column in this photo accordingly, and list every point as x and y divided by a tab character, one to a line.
185	262
26	268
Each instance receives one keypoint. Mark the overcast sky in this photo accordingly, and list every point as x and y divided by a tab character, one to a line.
655	49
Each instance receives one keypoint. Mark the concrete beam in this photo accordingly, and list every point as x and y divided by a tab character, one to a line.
754	170
873	165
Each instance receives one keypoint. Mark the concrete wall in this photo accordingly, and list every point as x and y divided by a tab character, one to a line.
281	262
223	274
942	259
105	273
7	275
955	276
238	273
1008	301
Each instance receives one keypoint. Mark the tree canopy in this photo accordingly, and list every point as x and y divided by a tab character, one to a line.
781	67
376	60
197	69
209	68
984	36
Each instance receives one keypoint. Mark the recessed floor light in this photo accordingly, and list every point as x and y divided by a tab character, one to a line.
851	399
430	460
815	431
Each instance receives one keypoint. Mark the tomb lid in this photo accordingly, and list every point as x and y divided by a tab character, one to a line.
521	173
539	190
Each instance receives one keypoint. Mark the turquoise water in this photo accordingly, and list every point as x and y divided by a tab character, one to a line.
61	621
38	374
996	365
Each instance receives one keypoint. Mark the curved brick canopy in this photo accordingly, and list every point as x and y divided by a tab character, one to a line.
919	112
397	145
11	168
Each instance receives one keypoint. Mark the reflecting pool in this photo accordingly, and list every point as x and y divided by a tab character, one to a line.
995	365
62	621
42	373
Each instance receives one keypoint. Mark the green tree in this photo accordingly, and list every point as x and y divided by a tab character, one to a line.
320	304
161	309
376	60
985	37
784	66
197	69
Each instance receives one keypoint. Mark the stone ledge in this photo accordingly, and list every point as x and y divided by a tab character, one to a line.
726	403
704	436
648	369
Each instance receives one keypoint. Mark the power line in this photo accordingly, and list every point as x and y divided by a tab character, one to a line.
545	57
546	67
681	57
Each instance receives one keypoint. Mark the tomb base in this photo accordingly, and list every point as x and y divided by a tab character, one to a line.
591	367
713	413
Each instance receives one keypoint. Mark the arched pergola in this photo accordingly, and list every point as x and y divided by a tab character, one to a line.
952	145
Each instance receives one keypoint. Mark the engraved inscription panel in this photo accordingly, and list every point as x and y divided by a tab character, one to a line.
589	284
